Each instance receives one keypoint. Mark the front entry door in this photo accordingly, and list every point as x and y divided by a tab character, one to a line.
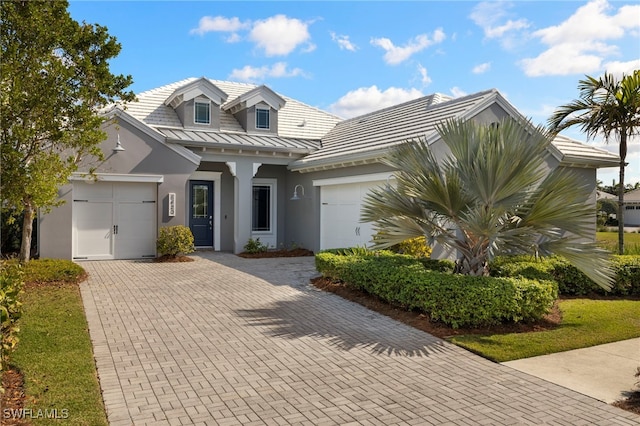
201	212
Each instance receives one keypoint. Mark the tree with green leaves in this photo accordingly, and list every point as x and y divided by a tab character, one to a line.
54	78
607	106
492	195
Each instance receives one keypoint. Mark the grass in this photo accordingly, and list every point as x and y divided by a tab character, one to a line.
609	241
585	323
55	353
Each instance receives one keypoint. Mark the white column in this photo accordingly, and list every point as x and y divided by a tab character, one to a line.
243	197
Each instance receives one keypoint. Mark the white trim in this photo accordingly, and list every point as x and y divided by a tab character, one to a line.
268	110
216	178
272	234
116	177
205	102
353	179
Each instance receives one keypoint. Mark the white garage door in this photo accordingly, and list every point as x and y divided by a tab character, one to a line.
114	220
340	224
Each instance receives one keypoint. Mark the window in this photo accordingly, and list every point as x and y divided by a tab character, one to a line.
262	118
261	215
202	113
199	198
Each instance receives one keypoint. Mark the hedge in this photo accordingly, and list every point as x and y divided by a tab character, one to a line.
456	300
571	281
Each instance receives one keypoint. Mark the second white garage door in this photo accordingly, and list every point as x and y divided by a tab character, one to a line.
114	220
340	225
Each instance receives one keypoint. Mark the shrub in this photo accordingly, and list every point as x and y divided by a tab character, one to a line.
175	240
456	300
53	270
416	247
11	281
571	281
255	246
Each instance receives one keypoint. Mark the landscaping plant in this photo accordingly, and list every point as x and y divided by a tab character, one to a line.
175	240
10	310
476	203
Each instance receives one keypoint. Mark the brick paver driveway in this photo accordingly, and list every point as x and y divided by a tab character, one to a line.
225	340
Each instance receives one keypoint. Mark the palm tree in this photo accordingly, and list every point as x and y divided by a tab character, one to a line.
606	106
492	195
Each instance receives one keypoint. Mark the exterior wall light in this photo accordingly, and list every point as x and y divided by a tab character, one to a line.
295	193
119	146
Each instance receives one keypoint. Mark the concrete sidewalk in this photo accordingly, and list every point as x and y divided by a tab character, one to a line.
230	341
605	372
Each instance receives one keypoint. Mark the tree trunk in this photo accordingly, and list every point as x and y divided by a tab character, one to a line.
27	231
623	155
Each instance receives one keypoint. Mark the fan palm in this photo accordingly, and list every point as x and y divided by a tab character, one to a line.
606	106
490	196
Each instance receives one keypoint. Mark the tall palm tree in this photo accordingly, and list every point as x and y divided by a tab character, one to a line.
606	106
490	196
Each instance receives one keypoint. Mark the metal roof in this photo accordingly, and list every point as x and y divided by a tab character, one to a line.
238	140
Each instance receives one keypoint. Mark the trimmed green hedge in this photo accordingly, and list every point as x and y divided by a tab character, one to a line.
456	300
570	280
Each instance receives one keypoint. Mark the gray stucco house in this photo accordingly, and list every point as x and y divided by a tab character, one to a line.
226	158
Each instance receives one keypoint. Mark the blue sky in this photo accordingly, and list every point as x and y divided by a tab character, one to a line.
353	57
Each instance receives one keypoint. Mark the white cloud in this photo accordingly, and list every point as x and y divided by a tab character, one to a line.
280	35
424	76
368	99
618	68
580	45
343	41
481	68
457	92
219	24
492	17
397	54
252	74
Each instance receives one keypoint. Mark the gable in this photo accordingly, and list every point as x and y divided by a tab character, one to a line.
194	89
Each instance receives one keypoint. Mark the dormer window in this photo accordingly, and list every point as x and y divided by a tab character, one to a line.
202	112
262	118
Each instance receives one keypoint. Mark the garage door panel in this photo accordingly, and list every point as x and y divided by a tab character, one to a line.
93	191
131	191
114	220
340	215
136	230
94	231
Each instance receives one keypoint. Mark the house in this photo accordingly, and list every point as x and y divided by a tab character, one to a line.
225	158
632	208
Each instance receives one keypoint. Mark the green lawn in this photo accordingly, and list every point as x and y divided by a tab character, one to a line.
585	323
609	240
56	357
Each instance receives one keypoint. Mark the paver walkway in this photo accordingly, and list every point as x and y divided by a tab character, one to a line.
225	340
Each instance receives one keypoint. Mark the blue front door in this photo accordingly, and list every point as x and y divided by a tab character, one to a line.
201	212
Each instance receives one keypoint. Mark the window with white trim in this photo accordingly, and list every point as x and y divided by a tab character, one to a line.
261	215
262	118
202	112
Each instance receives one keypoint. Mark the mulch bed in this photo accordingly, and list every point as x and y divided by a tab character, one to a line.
13	397
632	403
173	259
299	252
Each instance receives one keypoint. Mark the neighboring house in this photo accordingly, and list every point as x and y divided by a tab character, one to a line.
226	158
632	208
